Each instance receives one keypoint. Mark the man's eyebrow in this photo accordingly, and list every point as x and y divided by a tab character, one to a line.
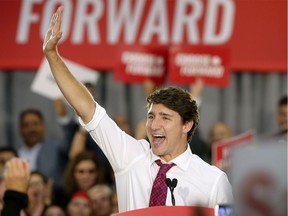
165	114
161	114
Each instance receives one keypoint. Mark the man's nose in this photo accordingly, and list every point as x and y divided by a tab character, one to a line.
155	124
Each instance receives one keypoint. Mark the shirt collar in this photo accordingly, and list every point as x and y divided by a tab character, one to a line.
36	147
182	161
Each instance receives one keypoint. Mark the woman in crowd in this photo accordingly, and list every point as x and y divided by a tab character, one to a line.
82	173
79	204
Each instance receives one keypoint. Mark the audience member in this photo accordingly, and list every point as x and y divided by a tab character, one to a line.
16	179
39	193
47	155
219	131
54	210
282	118
123	123
197	144
2	190
75	134
82	173
78	146
101	197
79	204
114	202
6	153
171	120
149	86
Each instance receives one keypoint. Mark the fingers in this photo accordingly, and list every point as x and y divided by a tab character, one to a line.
17	167
49	32
17	175
26	168
53	34
58	21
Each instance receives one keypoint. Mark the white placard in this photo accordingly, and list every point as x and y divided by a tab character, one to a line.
45	85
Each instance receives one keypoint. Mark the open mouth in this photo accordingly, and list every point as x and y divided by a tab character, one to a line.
158	139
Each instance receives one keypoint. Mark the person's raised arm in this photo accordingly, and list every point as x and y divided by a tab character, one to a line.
73	90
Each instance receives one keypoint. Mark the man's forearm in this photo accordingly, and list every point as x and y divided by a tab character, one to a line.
74	91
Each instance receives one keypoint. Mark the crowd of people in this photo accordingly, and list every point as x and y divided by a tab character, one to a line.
78	173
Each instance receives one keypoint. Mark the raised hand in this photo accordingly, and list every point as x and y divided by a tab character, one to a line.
197	88
54	32
17	175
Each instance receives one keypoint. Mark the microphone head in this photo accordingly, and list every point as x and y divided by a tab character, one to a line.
174	182
168	182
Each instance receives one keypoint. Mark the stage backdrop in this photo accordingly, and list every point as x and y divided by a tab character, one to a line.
254	32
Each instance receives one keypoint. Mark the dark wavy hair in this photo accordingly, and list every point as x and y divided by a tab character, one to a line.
180	101
69	181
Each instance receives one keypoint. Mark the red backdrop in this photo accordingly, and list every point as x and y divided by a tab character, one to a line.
254	31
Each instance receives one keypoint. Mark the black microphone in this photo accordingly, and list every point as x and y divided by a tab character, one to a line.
172	185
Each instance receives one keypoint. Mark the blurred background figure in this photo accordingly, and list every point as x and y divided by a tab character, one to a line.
101	197
282	118
16	180
197	144
78	137
39	194
79	205
6	153
123	122
82	173
149	86
114	202
219	131
54	210
47	155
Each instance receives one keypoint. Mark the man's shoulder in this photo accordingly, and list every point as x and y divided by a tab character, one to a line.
203	166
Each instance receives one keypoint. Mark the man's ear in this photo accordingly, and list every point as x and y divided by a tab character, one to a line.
187	126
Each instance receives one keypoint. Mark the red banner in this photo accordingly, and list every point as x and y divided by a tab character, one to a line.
255	31
210	64
136	64
221	151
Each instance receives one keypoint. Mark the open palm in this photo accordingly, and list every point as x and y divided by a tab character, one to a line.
53	34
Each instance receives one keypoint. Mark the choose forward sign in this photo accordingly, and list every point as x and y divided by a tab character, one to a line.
210	64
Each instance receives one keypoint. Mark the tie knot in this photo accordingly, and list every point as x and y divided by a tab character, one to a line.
164	167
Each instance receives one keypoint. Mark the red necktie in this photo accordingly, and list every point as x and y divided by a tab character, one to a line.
159	189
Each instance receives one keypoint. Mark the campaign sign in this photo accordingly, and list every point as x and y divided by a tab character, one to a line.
259	179
221	151
45	85
188	63
137	64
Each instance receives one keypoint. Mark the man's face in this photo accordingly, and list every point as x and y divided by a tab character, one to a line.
32	129
282	117
219	132
166	132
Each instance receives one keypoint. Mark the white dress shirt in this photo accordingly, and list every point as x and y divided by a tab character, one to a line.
199	184
30	154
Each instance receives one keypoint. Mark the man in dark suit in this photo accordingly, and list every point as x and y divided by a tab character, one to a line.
48	156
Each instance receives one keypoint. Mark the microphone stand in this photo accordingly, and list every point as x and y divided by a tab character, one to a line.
171	185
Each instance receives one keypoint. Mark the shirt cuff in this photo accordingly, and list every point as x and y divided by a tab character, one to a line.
93	123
